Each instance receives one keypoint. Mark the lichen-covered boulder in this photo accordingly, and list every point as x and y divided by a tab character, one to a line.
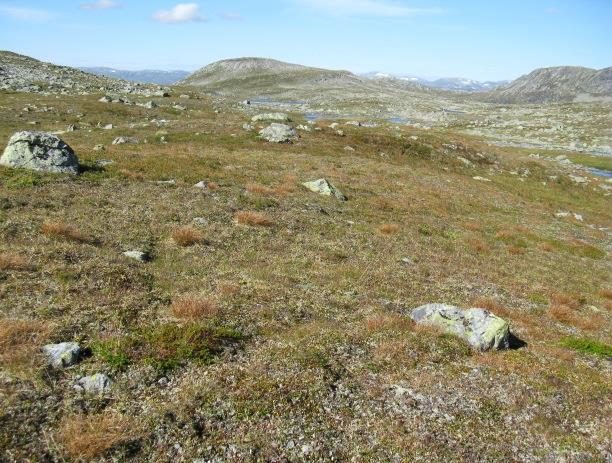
279	117
278	133
40	151
62	355
97	383
480	328
325	188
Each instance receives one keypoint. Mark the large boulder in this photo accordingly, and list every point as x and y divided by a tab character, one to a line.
278	133
40	151
325	188
480	328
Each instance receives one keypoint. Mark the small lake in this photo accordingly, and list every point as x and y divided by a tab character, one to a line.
600	172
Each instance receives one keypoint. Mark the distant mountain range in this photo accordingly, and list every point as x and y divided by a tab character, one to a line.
146	76
446	83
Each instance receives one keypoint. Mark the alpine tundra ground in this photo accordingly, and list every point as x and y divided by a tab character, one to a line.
271	323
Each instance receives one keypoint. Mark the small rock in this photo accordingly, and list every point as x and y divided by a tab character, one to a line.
247	127
108	127
105	99
124	140
481	179
97	383
99	148
137	255
62	355
578	179
104	162
349	148
324	187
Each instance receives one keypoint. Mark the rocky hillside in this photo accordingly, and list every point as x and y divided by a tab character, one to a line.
557	84
24	74
259	74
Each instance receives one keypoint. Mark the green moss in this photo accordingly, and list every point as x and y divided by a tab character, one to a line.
588	346
167	346
17	178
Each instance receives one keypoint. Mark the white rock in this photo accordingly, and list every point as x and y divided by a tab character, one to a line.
325	188
97	383
137	255
62	355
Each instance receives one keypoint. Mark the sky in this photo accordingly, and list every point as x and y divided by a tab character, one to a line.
477	39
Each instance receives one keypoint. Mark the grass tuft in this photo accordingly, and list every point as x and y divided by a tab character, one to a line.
13	262
254	219
88	437
187	236
194	308
63	231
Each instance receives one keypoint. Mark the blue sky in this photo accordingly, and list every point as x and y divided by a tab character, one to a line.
479	39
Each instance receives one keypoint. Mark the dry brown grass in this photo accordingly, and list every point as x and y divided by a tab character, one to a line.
565	299
187	236
254	219
229	288
88	437
212	186
258	189
389	228
546	247
388	322
473	226
491	305
605	293
13	262
516	250
20	342
571	317
63	231
194	308
478	245
504	234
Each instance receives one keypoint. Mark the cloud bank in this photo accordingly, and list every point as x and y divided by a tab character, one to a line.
181	13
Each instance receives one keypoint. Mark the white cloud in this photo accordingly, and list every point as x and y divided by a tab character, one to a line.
181	13
365	8
25	14
100	5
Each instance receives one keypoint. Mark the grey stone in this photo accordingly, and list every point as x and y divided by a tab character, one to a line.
62	355
278	133
40	151
124	140
279	117
480	328
99	148
104	162
325	188
97	383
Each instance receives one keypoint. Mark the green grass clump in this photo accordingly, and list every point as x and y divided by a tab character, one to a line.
167	346
588	346
16	178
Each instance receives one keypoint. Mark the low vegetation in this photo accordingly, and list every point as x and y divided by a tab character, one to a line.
272	323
